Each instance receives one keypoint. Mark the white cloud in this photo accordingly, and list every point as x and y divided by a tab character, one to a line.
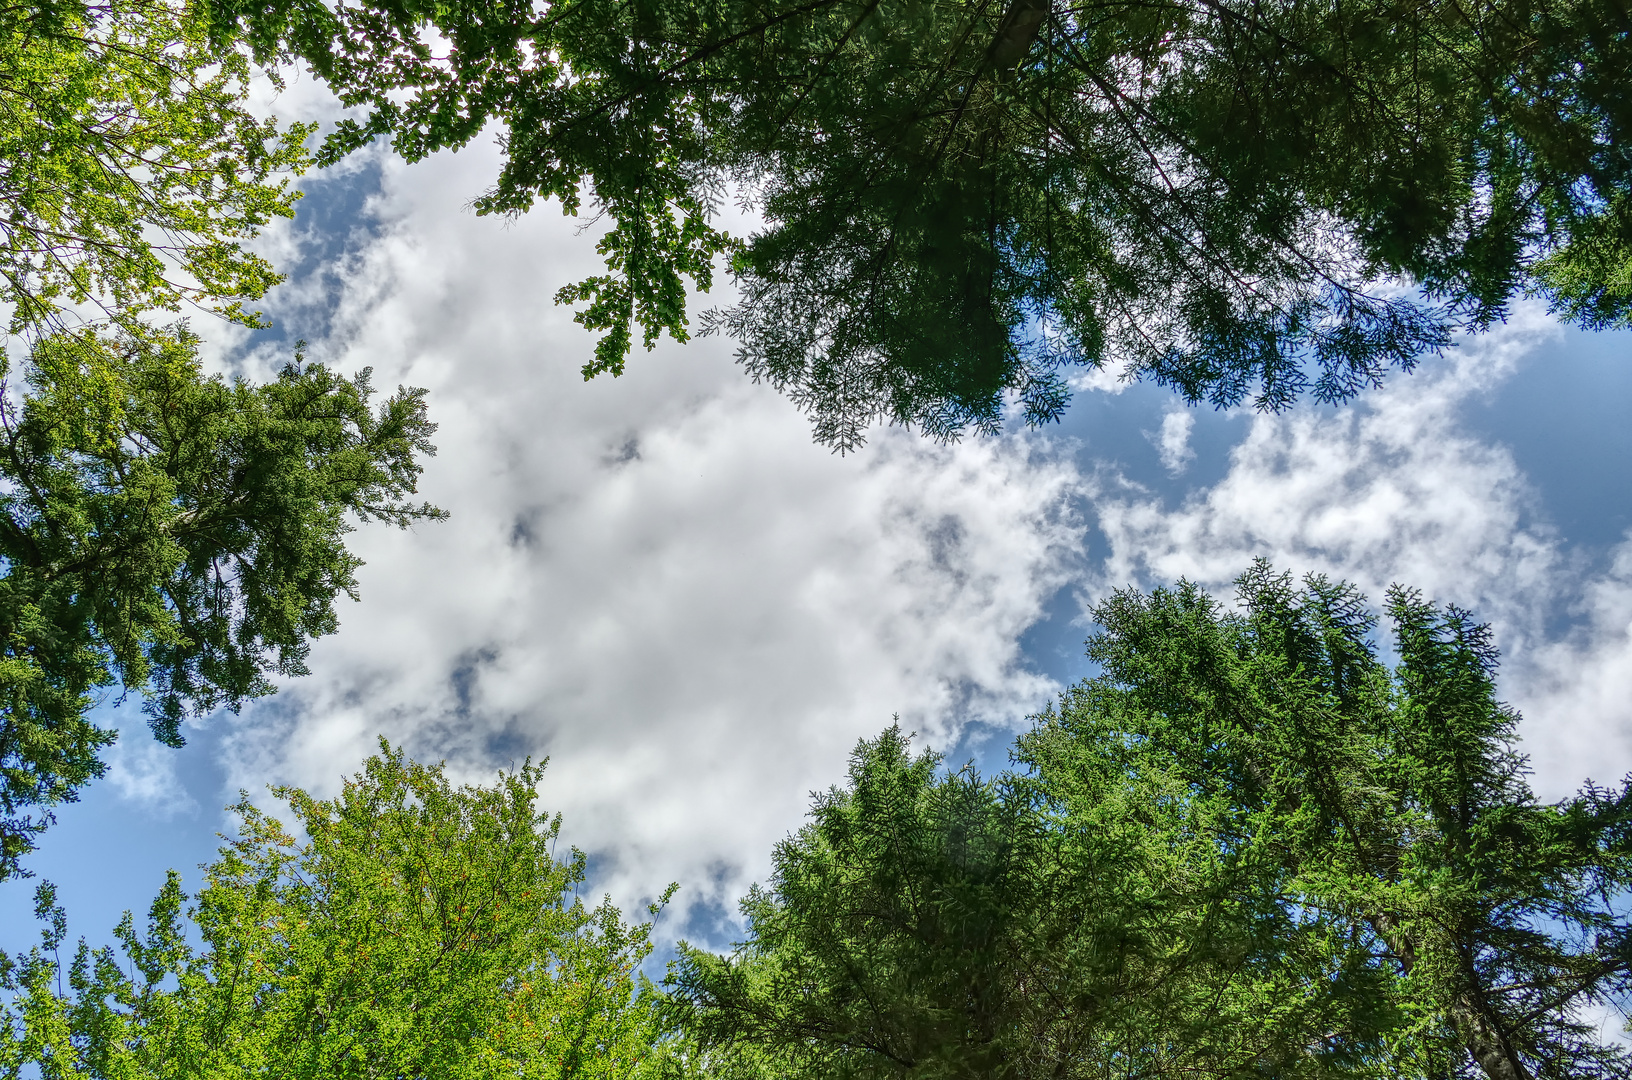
659	581
1172	442
1395	489
1386	490
1101	378
144	774
1577	693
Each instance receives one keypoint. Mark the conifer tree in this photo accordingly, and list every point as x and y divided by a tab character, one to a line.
944	926
173	535
1248	848
1387	808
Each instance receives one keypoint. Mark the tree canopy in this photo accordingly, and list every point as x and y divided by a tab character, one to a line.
130	167
422	929
1248	848
962	200
174	534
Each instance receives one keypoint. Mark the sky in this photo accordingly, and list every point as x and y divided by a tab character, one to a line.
660	582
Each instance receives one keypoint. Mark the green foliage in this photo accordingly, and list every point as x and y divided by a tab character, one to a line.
176	534
949	927
1590	281
1389	806
130	170
885	938
424	929
1248	848
961	199
583	107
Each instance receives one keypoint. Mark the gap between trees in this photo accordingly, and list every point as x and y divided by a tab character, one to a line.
1247	849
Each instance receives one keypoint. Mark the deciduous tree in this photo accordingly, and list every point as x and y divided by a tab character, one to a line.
964	199
422	929
131	169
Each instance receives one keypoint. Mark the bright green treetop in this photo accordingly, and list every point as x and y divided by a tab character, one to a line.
424	929
130	168
175	535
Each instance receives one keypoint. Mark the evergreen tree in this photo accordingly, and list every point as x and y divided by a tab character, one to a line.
944	926
886	940
172	534
1388	807
1248	848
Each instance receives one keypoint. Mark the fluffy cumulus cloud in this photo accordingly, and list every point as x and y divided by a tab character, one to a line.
658	581
1577	692
1172	441
1396	489
1389	489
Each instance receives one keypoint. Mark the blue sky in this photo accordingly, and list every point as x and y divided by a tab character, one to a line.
659	582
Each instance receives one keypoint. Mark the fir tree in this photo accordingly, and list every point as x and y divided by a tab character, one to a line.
177	536
1248	848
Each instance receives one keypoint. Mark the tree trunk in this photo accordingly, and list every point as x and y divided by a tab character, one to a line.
1485	1041
1479	1034
1017	31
